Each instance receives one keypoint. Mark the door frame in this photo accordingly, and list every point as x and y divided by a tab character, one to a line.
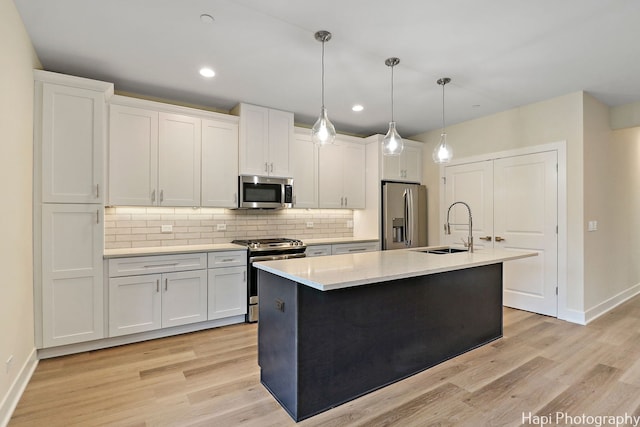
561	148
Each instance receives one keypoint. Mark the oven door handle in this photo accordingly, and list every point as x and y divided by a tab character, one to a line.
275	257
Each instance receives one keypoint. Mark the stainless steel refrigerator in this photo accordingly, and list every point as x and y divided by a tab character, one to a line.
404	215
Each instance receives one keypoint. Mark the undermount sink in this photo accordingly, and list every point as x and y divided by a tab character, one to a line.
443	250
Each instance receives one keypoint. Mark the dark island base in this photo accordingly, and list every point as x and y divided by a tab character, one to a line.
317	350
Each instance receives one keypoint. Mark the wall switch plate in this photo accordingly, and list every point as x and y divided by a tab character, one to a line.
166	228
221	227
309	224
593	225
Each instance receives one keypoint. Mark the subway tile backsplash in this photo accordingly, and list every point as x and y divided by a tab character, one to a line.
133	227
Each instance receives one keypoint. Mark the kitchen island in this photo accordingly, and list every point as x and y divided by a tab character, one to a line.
334	328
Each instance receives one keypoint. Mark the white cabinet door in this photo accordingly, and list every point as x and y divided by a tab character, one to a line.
407	167
330	182
253	140
265	136
412	161
353	175
219	164
341	176
304	170
227	292
72	144
135	304
133	156
178	160
280	139
184	297
72	292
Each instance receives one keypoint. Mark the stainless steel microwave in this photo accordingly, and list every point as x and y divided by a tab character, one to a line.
264	192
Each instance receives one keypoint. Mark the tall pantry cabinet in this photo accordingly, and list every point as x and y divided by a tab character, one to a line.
69	150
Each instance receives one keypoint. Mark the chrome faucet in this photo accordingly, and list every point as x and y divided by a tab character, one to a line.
447	227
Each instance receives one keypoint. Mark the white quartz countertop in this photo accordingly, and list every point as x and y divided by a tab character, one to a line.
168	250
344	271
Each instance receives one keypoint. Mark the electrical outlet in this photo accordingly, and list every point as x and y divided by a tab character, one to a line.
221	227
167	228
349	224
309	224
9	363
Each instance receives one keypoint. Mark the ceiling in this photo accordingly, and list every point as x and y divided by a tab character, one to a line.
500	54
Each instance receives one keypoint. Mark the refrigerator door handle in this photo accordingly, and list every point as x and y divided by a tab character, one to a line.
410	219
405	228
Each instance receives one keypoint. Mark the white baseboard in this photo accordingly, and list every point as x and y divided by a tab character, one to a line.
10	401
600	309
573	316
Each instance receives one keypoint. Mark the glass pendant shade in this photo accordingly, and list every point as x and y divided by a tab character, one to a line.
323	132
392	144
443	153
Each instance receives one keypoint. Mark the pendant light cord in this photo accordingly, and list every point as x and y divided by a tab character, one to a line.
322	74
392	93
443	107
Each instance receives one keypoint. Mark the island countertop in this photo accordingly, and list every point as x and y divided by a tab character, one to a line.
344	271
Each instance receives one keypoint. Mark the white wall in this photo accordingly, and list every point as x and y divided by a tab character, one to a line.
16	142
554	120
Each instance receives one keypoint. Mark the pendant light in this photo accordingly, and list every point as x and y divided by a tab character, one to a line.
392	144
443	153
323	132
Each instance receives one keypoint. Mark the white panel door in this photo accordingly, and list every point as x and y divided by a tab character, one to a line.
353	175
135	304
227	292
471	183
219	164
304	170
280	138
184	297
72	144
179	154
253	137
72	292
525	219
133	156
330	193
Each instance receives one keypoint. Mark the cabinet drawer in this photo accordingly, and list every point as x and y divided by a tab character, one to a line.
227	259
318	250
156	264
349	248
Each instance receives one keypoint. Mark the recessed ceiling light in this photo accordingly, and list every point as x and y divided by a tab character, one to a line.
206	18
207	72
357	108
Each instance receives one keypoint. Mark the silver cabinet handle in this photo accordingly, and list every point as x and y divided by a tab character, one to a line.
173	264
97	191
345	202
161	196
157	285
166	284
357	249
228	260
97	216
266	167
244	276
341	201
153	196
271	167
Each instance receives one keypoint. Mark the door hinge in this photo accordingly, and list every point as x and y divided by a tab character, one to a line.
556	167
556	229
556	290
444	180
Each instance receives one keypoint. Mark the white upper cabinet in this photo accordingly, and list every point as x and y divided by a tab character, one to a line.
341	175
405	167
265	137
304	170
154	156
179	139
70	137
220	163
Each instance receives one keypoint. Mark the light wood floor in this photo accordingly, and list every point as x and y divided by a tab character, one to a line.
211	378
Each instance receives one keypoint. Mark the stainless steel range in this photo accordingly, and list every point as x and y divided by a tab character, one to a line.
266	250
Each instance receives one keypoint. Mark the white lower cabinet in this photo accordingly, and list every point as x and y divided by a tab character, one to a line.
350	248
318	250
227	292
145	302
